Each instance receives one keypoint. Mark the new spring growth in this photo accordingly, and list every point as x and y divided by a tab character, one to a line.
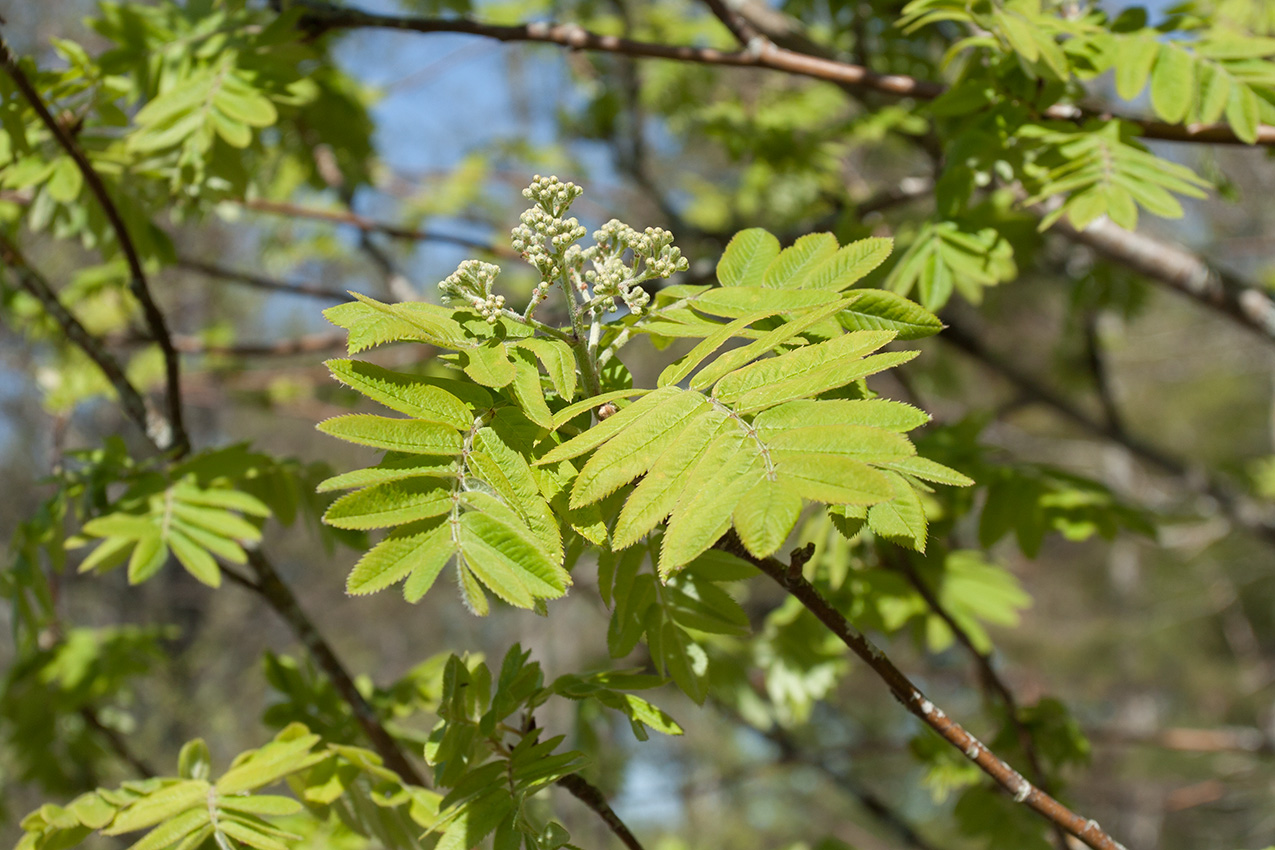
619	262
470	286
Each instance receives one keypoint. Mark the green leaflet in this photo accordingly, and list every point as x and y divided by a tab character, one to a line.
736	301
509	561
765	517
902	518
874	413
783	377
746	257
527	388
849	265
559	362
684	365
562	417
194	558
764	344
1137	55
489	364
159	806
874	444
1172	78
413	436
882	310
815	381
609	427
509	475
416	397
391	469
422	554
831	478
657	494
620	461
929	470
790	269
393	503
727	470
372	323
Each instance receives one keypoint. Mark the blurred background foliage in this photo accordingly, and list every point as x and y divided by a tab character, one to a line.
1113	563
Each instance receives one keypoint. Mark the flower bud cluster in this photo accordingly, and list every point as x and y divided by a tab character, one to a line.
470	286
652	255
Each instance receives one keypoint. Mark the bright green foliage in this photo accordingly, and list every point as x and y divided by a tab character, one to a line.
522	455
480	479
186	810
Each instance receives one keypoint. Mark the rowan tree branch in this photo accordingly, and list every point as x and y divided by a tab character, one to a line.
1232	503
760	53
589	794
1174	266
177	440
135	405
790	750
991	680
116	743
261	281
789	577
368	225
279	596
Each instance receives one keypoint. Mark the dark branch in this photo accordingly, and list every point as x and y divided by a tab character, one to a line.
761	53
902	688
135	405
991	680
177	440
1232	503
116	743
260	281
279	596
368	225
589	794
1174	266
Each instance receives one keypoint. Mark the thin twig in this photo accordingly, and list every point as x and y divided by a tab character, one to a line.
1174	266
261	281
1096	360
135	405
1232	503
589	794
790	750
368	225
902	688
761	53
279	596
990	679
177	440
739	27
116	743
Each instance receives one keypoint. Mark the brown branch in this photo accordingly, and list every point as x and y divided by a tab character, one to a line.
115	743
760	53
991	680
284	348
260	281
790	750
177	440
135	405
1233	740
1174	266
902	688
1232	503
739	26
279	596
368	225
589	794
